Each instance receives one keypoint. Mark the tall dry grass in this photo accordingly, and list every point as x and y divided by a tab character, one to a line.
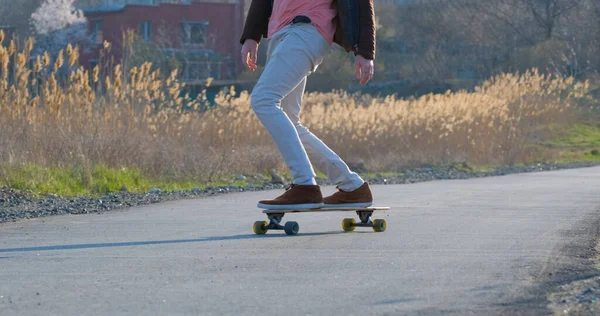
136	119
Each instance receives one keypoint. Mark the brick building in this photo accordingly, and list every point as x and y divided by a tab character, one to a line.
202	34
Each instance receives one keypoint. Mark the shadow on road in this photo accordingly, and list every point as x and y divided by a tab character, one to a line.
158	242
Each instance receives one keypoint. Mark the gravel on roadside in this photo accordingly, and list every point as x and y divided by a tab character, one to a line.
581	297
16	205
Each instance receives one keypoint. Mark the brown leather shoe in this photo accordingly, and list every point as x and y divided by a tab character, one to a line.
296	197
360	197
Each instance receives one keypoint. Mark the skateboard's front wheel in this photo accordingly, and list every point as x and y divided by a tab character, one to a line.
291	228
379	225
348	224
259	227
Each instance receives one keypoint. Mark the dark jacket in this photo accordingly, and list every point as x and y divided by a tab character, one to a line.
355	23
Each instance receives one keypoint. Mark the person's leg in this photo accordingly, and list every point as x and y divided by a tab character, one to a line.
325	159
353	190
294	53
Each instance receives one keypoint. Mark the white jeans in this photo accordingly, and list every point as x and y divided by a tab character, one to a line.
295	52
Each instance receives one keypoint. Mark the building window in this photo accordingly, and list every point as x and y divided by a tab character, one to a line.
201	70
146	31
196	71
193	33
97	35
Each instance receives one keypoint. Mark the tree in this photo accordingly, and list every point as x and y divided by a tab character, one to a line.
547	12
56	24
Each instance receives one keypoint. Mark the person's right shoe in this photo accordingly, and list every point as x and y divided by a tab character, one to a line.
361	197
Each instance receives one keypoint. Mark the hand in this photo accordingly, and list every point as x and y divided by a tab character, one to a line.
364	69
249	51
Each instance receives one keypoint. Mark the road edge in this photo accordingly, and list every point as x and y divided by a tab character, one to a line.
572	266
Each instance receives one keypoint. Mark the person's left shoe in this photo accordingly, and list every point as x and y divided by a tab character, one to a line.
296	197
361	197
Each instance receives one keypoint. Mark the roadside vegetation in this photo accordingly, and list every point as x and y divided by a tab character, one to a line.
91	132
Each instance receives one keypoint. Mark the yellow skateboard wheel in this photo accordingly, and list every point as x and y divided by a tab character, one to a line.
259	227
379	225
348	224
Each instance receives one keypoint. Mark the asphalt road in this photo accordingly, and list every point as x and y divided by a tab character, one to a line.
483	246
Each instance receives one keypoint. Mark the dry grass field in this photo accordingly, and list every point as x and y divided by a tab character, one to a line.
136	120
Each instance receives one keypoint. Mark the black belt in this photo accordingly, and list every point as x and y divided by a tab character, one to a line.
301	19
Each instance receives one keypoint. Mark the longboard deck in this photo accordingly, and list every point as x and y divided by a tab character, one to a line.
339	209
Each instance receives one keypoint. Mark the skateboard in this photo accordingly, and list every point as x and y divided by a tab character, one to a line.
348	224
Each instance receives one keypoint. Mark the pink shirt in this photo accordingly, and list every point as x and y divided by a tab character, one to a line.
320	12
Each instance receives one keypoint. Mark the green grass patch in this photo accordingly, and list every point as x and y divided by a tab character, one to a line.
579	156
581	142
579	136
100	180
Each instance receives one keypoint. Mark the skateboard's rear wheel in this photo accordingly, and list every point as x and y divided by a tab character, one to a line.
259	227
291	228
379	225
348	224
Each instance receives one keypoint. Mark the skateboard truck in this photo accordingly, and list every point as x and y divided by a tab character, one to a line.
275	221
378	225
290	228
365	219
